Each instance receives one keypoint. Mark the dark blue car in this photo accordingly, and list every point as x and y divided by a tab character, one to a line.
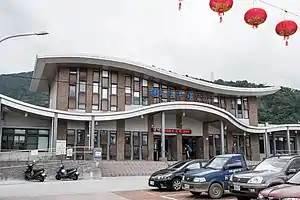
214	177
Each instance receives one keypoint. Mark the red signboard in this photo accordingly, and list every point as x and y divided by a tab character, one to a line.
169	130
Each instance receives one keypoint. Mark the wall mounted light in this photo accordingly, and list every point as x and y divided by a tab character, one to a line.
142	116
183	114
26	114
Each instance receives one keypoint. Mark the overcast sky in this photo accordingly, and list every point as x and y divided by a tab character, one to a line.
191	41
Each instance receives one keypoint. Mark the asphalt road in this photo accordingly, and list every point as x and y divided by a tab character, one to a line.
118	188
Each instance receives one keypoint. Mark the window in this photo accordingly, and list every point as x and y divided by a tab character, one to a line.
128	80
96	88
25	139
145	101
171	93
113	108
113	100
114	89
104	82
145	139
82	74
96	76
113	138
95	105
82	86
233	107
145	83
295	164
128	99
246	108
114	78
216	101
104	105
155	85
164	92
193	166
104	73
104	93
127	90
239	108
81	101
222	103
136	98
72	88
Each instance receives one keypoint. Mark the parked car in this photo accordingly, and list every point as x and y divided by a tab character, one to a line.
170	177
272	171
213	178
289	190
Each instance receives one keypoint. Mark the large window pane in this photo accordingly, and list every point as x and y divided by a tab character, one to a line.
43	143
82	86
96	88
104	93
72	91
114	89
104	73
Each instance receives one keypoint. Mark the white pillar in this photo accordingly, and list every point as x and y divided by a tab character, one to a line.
92	134
163	135
266	143
222	138
288	139
54	131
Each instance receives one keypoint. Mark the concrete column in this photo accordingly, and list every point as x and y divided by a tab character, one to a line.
54	130
163	135
108	146
150	137
288	139
89	90
121	91
222	137
254	145
205	141
274	143
229	138
298	143
266	143
92	134
120	139
0	124
178	144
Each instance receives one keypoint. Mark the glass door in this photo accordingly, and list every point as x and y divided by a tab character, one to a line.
113	145
127	144
103	143
136	145
80	141
144	146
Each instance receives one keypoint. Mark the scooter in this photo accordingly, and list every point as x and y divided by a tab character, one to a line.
63	173
34	174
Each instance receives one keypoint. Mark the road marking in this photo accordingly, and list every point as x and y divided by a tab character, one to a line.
167	197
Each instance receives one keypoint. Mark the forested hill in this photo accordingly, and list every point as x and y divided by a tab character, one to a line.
281	107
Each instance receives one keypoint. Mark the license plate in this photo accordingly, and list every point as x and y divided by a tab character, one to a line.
151	182
237	187
186	186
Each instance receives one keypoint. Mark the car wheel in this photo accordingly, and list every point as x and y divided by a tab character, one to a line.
176	184
215	191
197	194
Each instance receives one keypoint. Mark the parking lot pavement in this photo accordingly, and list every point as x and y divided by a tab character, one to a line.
162	195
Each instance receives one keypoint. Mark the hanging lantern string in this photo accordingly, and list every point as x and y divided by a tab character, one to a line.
277	7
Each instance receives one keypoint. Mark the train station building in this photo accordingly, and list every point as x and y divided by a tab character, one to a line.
134	111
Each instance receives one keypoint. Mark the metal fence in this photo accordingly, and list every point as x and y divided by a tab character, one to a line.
47	155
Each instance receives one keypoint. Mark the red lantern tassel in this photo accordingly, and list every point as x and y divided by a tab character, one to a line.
286	40
221	17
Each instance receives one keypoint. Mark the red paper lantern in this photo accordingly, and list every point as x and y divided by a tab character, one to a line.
220	6
255	17
286	28
179	4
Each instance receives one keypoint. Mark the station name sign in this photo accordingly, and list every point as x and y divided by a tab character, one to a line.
170	130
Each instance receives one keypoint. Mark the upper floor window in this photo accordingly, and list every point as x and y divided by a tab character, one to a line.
239	108
246	108
105	73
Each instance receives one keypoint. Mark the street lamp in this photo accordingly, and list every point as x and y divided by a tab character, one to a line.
24	35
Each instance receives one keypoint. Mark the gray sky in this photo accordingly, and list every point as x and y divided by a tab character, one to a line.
154	32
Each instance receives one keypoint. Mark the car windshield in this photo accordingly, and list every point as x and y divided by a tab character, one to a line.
177	165
295	180
275	164
217	163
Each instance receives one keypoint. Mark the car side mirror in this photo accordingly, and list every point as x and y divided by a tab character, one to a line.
291	171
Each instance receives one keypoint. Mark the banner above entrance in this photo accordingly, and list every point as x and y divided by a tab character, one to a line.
169	130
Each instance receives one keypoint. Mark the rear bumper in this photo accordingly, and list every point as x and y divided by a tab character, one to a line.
246	189
195	187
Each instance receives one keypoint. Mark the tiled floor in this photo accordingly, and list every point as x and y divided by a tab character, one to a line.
162	195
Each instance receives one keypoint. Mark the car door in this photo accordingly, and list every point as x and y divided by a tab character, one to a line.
235	165
293	168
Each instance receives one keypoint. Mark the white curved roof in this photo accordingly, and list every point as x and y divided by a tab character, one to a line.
184	80
168	106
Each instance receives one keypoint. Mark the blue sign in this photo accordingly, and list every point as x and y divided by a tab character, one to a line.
171	93
180	93
190	95
154	92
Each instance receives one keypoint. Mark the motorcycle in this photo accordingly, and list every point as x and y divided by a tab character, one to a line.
34	174
71	173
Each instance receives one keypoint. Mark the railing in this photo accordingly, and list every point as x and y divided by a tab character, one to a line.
47	155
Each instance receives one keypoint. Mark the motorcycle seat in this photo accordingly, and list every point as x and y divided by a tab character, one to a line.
71	169
37	170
